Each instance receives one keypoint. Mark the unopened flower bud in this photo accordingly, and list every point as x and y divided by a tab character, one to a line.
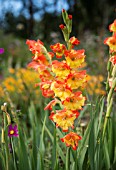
63	10
61	26
70	17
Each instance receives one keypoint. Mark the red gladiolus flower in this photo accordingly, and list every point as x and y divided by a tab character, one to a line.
41	58
35	46
72	140
58	49
74	41
12	131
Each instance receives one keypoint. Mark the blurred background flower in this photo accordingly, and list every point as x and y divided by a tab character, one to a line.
1	50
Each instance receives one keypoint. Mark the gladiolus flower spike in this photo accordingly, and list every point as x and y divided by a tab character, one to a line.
61	80
111	80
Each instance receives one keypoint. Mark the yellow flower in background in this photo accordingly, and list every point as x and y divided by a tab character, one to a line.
1	92
20	85
94	85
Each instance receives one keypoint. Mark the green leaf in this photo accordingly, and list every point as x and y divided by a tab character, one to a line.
106	155
22	152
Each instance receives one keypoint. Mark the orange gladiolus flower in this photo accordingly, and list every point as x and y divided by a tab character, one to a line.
46	89
45	76
75	101
112	27
40	58
64	119
35	46
74	58
51	104
61	89
76	79
74	41
61	69
34	64
111	42
113	59
58	49
72	140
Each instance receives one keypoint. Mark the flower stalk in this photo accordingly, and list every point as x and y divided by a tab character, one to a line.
61	80
111	67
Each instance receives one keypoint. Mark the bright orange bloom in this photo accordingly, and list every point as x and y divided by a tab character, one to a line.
112	27
34	64
111	42
72	140
113	59
41	58
61	69
61	89
75	101
45	75
35	46
51	104
76	79
74	58
58	49
74	41
46	89
64	119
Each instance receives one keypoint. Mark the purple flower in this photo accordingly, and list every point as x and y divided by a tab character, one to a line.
13	131
1	50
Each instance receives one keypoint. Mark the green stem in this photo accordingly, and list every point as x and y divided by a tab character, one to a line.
14	159
68	159
55	150
109	105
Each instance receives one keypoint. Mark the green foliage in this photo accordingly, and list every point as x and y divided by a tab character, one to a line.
40	147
